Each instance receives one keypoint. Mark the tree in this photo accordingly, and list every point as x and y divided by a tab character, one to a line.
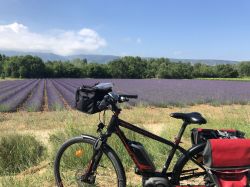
118	68
226	71
163	71
22	72
33	67
82	66
79	62
128	67
203	71
95	70
71	71
244	69
11	67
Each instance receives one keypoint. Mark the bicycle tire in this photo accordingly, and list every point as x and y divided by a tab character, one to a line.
184	173
87	141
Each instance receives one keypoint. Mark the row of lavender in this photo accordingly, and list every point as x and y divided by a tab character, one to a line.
29	95
56	94
164	92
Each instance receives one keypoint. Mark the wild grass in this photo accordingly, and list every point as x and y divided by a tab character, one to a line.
19	152
57	107
53	128
9	78
32	108
4	108
186	104
228	79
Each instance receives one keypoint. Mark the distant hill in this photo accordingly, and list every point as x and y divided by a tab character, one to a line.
95	58
50	56
102	59
205	61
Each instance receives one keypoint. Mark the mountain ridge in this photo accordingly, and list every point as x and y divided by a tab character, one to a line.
102	59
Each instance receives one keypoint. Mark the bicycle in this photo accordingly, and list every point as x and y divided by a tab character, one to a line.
98	164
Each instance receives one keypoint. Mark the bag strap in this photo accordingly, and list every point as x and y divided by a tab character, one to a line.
232	171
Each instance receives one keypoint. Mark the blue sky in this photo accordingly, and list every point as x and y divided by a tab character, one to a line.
201	29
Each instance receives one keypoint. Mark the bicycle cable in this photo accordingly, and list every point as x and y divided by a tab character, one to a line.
103	120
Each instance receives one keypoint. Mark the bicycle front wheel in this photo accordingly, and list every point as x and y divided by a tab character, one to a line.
74	157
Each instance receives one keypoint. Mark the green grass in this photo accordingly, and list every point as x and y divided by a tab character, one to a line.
57	107
8	78
19	152
32	108
227	79
4	108
53	128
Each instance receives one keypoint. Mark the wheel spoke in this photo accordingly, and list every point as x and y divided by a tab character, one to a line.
74	162
191	171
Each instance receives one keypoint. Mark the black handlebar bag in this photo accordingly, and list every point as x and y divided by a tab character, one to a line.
88	97
228	160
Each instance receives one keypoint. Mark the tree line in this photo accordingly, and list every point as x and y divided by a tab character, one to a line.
126	67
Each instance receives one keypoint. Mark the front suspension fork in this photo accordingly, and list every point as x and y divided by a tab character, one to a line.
89	175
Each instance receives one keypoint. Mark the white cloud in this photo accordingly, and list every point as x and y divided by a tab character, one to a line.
17	36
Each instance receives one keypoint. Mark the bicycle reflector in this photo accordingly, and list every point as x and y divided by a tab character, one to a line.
79	153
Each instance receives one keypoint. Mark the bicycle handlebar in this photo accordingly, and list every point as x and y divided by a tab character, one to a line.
129	96
112	98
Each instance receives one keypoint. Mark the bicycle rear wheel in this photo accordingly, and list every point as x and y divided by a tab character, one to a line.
186	172
74	157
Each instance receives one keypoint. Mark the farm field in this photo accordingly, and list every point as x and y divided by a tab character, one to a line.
57	94
53	128
42	114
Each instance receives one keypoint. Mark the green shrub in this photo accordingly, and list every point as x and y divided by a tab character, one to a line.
19	152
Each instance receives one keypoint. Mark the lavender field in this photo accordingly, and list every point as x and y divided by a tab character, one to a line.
58	94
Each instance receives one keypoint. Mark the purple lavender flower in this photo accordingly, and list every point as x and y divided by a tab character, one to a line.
35	102
17	97
54	100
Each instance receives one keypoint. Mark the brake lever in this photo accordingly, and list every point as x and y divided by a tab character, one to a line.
113	96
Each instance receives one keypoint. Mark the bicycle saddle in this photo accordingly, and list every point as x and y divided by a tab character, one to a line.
193	117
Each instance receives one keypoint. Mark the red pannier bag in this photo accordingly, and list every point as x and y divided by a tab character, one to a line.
228	160
232	178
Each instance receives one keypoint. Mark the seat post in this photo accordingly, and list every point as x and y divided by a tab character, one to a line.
181	132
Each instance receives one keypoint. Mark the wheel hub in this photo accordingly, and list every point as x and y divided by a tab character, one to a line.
82	178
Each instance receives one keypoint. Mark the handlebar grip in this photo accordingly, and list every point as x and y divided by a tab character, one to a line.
129	96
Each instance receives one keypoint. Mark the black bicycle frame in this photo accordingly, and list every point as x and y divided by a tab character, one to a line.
114	127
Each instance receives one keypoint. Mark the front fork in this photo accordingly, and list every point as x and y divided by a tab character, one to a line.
89	174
